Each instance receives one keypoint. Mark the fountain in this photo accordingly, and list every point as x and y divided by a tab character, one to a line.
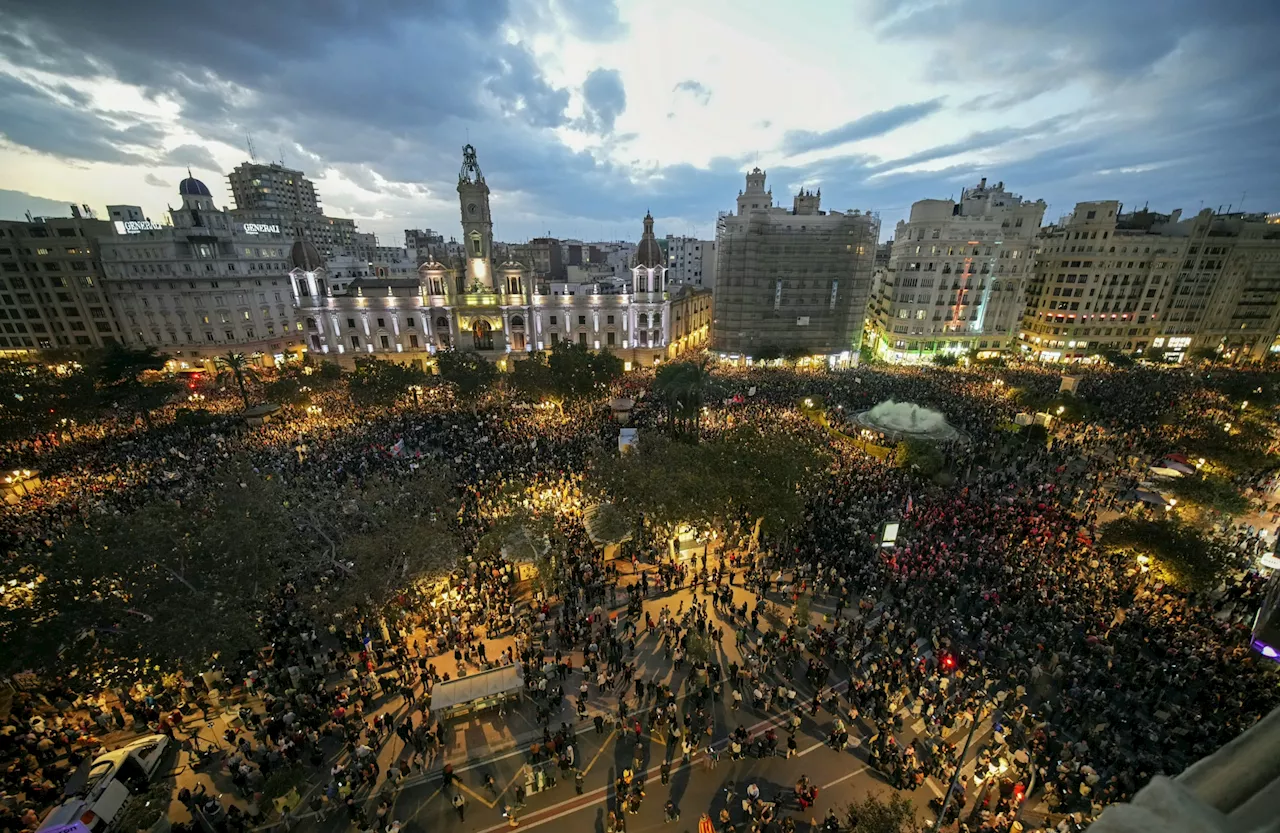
907	420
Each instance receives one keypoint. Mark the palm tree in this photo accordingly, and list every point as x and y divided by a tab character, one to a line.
683	386
237	366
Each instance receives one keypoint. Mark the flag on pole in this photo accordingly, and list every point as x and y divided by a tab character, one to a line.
908	505
398	448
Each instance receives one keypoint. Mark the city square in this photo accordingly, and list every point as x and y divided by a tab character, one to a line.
704	656
848	416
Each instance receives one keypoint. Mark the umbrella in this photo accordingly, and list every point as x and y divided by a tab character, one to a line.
1178	458
1150	497
1165	472
1177	465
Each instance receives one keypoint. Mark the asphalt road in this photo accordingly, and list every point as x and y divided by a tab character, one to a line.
695	788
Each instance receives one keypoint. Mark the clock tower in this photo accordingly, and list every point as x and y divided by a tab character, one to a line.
477	224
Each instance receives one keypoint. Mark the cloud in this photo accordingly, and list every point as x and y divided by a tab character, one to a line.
522	92
193	156
376	99
15	204
694	88
863	127
152	179
604	99
593	20
34	118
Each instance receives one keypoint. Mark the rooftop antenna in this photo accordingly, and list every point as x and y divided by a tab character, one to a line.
282	156
253	156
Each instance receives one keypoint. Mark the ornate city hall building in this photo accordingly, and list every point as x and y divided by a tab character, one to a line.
500	310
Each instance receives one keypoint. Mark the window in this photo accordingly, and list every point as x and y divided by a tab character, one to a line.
410	322
413	341
355	342
351	323
382	322
609	338
582	339
386	344
582	321
609	319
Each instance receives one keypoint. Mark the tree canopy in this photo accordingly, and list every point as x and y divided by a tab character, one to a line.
173	586
468	373
1181	553
683	387
1210	491
575	371
919	457
378	382
741	475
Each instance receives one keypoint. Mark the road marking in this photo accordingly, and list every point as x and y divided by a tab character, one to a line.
599	752
844	778
519	774
486	802
810	749
933	785
422	806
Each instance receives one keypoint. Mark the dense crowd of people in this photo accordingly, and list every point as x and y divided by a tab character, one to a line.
997	604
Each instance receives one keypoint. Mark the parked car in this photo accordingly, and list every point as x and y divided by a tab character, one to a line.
101	787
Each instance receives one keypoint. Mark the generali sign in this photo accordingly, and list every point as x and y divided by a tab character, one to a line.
136	226
259	228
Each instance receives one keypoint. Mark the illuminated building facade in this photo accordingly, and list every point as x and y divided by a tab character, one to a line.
206	285
497	310
955	276
1155	285
51	288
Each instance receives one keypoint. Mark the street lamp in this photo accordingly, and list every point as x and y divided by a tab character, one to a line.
18	480
955	777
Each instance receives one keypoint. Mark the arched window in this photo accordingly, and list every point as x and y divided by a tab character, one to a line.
643	320
311	323
482	335
517	321
657	319
442	323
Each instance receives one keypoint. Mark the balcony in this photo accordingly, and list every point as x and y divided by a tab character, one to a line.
1234	790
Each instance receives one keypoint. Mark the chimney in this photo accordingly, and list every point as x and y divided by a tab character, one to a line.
983	183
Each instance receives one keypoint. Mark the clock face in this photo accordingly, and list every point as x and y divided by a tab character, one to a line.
471	209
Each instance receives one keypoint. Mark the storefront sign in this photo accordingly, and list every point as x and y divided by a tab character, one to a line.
260	228
136	226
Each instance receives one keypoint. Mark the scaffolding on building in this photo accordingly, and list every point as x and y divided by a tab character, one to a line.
789	282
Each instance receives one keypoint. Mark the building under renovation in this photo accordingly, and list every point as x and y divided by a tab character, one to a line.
791	280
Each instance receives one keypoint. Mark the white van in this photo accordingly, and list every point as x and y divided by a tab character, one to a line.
96	793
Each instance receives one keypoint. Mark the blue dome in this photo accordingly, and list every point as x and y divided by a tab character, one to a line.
192	187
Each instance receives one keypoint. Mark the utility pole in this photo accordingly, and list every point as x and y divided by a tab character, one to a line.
955	776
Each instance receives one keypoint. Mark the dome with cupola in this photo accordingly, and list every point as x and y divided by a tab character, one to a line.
192	187
648	252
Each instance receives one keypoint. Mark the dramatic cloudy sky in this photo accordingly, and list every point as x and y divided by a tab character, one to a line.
587	113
